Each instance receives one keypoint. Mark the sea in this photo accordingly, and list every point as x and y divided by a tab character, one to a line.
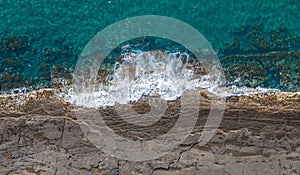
246	47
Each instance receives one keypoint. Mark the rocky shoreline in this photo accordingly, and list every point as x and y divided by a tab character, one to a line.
259	134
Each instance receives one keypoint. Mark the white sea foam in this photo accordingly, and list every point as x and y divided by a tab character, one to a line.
157	74
234	90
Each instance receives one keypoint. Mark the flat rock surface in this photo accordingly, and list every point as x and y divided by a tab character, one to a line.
259	134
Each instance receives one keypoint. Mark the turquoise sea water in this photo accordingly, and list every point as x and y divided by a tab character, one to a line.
42	39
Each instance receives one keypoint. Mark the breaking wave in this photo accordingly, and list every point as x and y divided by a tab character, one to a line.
157	74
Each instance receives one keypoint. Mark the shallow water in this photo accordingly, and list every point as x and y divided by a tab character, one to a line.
41	40
158	74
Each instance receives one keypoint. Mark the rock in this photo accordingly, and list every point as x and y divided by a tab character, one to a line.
278	69
259	134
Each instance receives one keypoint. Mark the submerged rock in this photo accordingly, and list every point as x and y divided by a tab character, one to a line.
275	69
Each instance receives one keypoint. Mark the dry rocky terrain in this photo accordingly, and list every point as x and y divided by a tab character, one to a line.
259	134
